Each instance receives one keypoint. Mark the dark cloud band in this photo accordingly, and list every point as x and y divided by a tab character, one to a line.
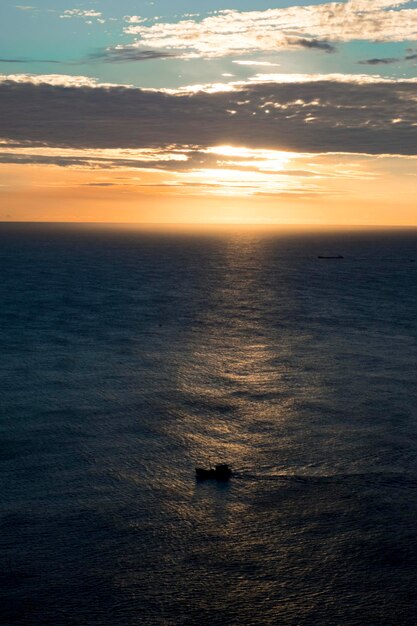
318	116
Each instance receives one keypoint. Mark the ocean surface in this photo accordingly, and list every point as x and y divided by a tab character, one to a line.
129	357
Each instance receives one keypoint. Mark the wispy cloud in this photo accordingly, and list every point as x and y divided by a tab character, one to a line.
123	54
87	14
80	13
410	56
101	184
257	63
380	61
313	26
93	158
311	44
218	170
26	61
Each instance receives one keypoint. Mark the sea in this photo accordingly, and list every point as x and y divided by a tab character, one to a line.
129	357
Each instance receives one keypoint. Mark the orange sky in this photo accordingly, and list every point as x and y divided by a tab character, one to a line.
347	191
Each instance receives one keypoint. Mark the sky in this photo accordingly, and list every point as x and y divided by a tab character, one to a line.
232	112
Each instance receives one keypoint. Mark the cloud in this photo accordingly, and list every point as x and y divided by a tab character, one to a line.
323	113
361	79
411	56
37	153
55	80
30	61
106	55
134	19
315	26
80	13
382	61
256	63
87	14
311	44
100	184
122	54
13	60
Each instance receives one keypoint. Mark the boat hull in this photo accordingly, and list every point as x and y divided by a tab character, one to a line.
213	473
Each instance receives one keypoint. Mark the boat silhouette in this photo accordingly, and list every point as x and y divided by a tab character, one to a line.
219	472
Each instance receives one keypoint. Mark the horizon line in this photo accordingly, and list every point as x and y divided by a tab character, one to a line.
209	224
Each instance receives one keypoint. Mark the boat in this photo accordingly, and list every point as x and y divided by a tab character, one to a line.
338	256
219	472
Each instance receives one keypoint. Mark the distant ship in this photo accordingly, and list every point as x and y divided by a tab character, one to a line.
219	472
338	256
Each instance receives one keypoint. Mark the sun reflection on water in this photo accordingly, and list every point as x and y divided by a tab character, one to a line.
232	376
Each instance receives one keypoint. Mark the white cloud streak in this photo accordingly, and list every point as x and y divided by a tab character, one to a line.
257	63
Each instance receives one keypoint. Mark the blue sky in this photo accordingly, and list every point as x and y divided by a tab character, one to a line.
41	34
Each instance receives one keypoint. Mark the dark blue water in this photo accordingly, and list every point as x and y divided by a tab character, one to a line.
127	358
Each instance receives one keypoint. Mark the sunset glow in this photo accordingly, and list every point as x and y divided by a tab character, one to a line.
187	111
